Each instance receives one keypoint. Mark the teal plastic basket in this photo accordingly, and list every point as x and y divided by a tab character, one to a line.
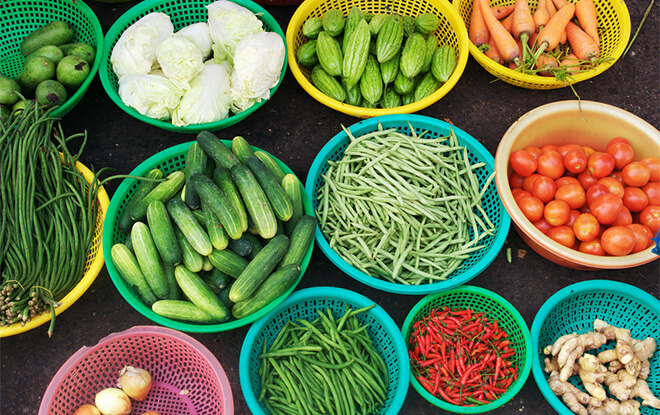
18	18
182	13
491	202
169	160
496	308
303	304
574	309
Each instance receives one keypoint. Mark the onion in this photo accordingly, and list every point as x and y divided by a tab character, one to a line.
135	382
87	410
151	413
113	401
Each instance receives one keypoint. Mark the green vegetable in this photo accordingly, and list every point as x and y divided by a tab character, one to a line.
255	199
270	162
54	33
228	262
128	267
390	39
9	90
443	63
222	178
162	232
217	150
50	93
306	54
312	27
217	235
189	226
371	82
182	310
356	53
191	259
327	84
200	294
274	286
196	161
215	200
412	55
125	221
292	188
333	22
241	148
300	241
72	72
426	23
426	86
148	258
163	191
329	54
272	187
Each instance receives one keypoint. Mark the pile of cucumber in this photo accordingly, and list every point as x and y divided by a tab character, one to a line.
54	67
218	240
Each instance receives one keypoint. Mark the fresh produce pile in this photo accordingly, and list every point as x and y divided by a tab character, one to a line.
329	365
404	208
54	67
461	356
621	370
375	60
221	238
598	202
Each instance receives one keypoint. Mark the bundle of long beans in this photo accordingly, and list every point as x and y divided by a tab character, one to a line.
48	217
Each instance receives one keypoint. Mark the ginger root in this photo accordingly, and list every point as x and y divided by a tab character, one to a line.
642	390
592	373
613	407
573	397
574	348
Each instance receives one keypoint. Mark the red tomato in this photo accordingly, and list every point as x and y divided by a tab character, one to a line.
573	194
572	217
593	247
557	212
636	174
606	208
595	191
642	239
565	148
544	188
586	227
618	240
624	218
612	184
519	193
523	162
650	217
652	190
586	179
550	164
515	180
616	174
563	235
654	165
600	164
616	140
549	147
531	207
622	152
534	150
575	161
566	180
528	183
635	199
588	150
542	225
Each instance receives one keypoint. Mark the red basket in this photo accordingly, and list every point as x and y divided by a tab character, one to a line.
187	378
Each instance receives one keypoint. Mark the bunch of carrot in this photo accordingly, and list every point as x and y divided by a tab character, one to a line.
530	40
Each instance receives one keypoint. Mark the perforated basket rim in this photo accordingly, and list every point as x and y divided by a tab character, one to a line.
448	11
523	372
573	290
75	98
395	120
156	331
122	23
132	299
334	293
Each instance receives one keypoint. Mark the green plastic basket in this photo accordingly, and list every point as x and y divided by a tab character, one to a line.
18	18
496	308
574	309
169	160
304	304
182	13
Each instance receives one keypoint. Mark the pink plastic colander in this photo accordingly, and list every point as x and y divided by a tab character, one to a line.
187	378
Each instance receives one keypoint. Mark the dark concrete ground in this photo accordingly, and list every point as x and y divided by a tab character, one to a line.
294	127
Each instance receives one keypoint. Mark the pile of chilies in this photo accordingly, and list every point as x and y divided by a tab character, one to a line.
48	218
461	356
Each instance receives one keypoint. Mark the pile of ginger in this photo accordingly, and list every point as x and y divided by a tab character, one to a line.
623	370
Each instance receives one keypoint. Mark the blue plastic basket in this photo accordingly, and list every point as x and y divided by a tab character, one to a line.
303	304
491	202
574	309
496	308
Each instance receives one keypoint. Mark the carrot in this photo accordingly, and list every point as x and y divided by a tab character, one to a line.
541	15
523	22
570	63
582	45
552	10
501	12
545	63
492	52
507	22
478	31
550	36
559	3
505	43
585	11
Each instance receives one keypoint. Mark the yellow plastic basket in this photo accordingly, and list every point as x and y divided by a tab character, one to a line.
451	31
613	29
93	265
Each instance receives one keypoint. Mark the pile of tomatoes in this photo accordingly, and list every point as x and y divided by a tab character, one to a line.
597	202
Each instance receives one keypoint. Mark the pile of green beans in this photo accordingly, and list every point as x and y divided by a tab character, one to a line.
48	219
404	208
325	366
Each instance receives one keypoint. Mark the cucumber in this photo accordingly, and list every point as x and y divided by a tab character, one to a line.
129	269
200	294
274	286
301	238
241	148
278	199
148	258
56	33
190	227
206	264
216	280
255	199
292	188
182	310
162	232
256	243
217	234
195	163
222	178
272	165
174	292
217	202
224	296
241	246
228	262
143	188
259	268
163	191
190	258
217	150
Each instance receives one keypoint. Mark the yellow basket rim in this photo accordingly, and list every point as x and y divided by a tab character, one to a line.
87	279
304	10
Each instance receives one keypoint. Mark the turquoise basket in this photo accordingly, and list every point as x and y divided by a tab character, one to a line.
574	309
492	204
303	305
